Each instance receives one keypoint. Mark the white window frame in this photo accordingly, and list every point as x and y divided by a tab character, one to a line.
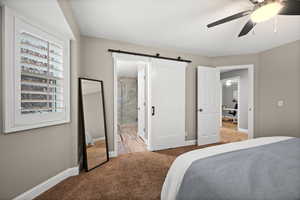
13	120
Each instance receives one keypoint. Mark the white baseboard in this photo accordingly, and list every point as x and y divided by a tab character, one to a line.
243	130
183	144
143	138
112	154
149	148
46	185
99	138
190	142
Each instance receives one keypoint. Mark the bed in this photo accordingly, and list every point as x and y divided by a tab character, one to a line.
256	169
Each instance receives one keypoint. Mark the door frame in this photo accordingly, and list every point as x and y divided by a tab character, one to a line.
251	102
117	58
237	78
142	136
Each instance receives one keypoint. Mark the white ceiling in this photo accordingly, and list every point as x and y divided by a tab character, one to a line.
181	25
45	13
127	69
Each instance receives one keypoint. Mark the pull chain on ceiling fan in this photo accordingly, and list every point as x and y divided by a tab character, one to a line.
263	10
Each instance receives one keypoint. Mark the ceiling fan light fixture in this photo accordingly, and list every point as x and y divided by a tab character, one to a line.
266	12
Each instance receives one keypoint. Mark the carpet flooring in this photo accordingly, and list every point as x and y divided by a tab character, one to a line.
134	176
131	176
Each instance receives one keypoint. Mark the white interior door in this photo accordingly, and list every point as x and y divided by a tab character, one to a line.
251	102
168	104
208	106
141	101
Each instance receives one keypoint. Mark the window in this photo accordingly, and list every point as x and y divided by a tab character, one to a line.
36	76
41	75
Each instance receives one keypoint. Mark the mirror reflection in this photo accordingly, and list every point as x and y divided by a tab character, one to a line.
95	136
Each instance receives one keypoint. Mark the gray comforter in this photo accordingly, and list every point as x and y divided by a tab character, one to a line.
268	172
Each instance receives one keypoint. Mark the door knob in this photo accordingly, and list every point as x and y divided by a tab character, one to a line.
200	110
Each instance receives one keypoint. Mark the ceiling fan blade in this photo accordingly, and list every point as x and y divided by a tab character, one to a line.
247	28
230	18
292	7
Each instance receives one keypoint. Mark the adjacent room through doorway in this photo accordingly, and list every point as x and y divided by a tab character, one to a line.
131	107
234	105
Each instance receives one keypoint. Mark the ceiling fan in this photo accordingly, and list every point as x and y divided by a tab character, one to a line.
263	10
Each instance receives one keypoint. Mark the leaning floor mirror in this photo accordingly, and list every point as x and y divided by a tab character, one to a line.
93	123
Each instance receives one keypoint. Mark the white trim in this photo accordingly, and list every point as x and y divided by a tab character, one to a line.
190	142
98	139
185	143
251	103
12	23
221	103
143	138
243	130
148	105
115	122
149	148
112	154
46	185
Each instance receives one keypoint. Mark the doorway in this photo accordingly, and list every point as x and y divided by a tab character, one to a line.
131	107
161	105
231	105
212	112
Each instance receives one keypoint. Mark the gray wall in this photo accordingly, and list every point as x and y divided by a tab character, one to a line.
127	100
227	96
277	76
93	114
97	63
30	157
280	79
244	91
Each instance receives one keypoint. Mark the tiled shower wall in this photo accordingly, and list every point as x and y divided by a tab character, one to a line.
127	100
